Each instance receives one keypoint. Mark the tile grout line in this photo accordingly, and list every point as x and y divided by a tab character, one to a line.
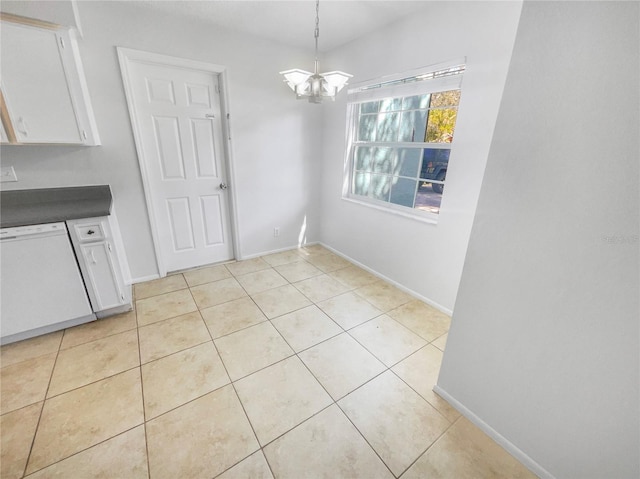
431	445
388	368
421	396
98	339
413	389
264	455
84	450
333	401
235	391
44	400
360	432
296	354
178	351
64	392
144	408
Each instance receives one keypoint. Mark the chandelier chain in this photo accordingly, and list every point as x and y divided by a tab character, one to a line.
317	30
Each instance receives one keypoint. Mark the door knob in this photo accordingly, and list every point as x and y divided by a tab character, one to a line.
223	186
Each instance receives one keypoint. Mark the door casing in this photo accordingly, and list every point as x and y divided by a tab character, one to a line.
126	57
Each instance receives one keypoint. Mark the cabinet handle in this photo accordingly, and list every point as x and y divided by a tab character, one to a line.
91	232
22	126
93	257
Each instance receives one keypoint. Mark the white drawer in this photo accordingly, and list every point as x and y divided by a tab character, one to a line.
90	232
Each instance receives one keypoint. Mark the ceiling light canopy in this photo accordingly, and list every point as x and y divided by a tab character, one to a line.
315	86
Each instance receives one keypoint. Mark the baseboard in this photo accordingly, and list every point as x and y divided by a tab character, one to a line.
142	279
279	250
151	277
401	287
520	455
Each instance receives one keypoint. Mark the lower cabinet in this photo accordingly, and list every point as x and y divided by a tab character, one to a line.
103	275
95	246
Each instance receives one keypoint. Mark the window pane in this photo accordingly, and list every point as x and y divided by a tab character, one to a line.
445	98
367	128
380	186
370	107
400	149
363	158
434	163
416	102
428	200
403	192
361	183
408	162
391	104
441	125
388	127
383	160
412	126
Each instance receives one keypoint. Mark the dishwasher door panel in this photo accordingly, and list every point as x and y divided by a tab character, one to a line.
40	284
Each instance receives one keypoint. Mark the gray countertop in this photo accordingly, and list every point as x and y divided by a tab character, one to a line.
50	205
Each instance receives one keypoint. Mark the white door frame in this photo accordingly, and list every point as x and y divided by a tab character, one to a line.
127	56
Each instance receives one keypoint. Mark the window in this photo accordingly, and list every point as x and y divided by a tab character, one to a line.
399	140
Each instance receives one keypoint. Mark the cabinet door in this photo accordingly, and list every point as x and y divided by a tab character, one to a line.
35	86
103	275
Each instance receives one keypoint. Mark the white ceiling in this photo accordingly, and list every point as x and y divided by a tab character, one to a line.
293	22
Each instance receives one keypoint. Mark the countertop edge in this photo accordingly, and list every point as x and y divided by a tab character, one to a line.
51	205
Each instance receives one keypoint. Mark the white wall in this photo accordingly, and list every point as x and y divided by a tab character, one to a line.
424	258
544	342
274	148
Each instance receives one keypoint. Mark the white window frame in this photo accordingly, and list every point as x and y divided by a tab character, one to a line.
432	79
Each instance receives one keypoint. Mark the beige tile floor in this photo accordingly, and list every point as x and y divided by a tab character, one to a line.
294	365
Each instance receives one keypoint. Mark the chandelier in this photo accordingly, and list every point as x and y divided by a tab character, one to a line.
315	86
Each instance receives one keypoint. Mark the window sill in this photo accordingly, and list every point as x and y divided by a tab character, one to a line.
422	217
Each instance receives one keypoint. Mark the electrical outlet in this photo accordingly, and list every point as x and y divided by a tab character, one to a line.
276	232
7	173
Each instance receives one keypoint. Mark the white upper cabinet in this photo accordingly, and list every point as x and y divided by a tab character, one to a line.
3	134
45	94
60	12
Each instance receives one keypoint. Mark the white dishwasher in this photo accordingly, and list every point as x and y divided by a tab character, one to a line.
40	284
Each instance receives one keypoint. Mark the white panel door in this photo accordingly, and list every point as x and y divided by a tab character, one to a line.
178	114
